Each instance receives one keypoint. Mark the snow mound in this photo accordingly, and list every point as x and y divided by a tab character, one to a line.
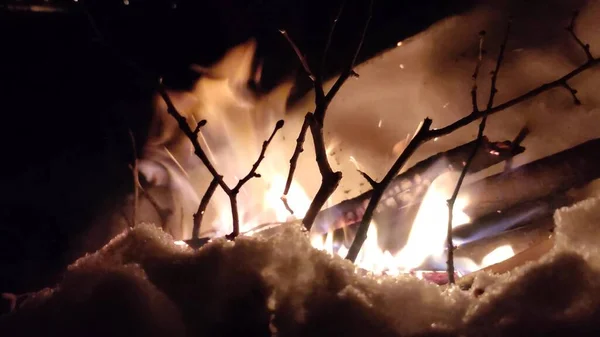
142	284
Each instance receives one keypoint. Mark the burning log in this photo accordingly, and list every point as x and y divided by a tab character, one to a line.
531	254
519	239
409	187
548	176
524	214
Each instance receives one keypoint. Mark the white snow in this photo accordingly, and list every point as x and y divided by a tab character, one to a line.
142	284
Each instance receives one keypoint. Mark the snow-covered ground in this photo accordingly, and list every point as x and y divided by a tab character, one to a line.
142	284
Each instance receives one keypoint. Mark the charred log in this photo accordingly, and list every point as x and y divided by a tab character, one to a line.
531	254
524	214
409	187
520	239
548	176
552	177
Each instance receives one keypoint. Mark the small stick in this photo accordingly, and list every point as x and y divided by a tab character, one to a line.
516	142
475	114
571	29
421	135
479	140
315	121
202	207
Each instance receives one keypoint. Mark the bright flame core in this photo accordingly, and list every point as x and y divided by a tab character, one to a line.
426	239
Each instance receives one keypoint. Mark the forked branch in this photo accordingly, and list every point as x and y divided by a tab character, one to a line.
420	136
232	193
315	121
426	134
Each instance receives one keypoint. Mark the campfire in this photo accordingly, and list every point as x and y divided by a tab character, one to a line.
405	216
237	208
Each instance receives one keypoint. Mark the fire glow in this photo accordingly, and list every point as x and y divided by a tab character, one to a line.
224	97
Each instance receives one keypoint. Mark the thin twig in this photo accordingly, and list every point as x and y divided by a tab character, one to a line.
515	143
261	156
136	181
329	179
294	162
475	115
198	216
451	202
349	71
330	39
476	72
420	136
571	29
368	178
573	93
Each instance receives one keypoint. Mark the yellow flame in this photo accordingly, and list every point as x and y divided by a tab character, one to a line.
497	255
426	239
429	229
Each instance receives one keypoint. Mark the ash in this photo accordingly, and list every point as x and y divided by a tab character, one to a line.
142	284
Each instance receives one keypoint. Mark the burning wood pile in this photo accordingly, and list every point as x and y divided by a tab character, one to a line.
433	221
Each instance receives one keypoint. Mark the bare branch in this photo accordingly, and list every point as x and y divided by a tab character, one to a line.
476	72
516	143
261	156
294	161
571	29
329	179
299	54
368	178
463	173
349	71
199	215
473	116
185	128
193	137
330	38
232	194
199	126
286	204
421	136
573	93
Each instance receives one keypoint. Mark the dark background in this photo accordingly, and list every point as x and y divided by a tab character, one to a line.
67	101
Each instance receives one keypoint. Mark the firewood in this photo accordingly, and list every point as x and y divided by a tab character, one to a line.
531	254
409	187
524	214
556	173
520	239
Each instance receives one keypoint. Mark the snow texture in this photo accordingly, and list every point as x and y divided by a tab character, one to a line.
142	284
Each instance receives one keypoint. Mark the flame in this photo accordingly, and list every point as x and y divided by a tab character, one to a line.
426	239
428	233
497	255
239	120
